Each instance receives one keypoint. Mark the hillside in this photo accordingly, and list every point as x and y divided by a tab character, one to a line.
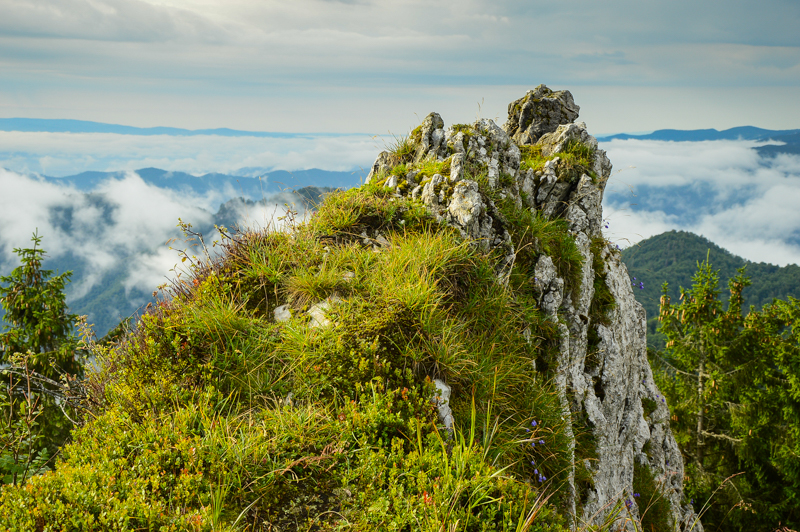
454	345
673	256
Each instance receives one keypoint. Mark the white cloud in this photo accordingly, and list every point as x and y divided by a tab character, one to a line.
121	225
722	190
61	154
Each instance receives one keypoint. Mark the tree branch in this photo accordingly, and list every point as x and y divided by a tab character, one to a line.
721	437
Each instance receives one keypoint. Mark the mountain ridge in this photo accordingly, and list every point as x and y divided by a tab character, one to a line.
673	256
695	135
68	125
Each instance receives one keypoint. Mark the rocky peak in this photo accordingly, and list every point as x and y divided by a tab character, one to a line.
470	177
539	112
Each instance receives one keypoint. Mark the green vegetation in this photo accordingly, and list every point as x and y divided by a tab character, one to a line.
213	416
574	159
534	235
673	256
36	352
731	380
654	508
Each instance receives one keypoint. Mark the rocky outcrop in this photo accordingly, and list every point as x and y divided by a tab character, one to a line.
539	112
545	162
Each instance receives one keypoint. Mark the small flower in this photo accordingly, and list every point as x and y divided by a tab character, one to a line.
533	463
534	423
535	471
541	442
636	495
533	444
527	430
628	503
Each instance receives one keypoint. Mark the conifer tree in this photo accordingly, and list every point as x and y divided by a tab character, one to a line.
731	379
35	307
37	349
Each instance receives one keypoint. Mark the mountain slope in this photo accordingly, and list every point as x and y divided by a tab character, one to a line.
253	187
673	256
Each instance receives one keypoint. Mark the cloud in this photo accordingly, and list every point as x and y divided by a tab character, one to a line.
62	154
106	20
121	225
311	65
722	190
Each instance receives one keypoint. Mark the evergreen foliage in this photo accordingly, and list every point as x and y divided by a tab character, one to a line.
37	351
673	256
731	379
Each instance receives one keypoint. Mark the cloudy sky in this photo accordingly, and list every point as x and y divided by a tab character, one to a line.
370	66
360	71
722	190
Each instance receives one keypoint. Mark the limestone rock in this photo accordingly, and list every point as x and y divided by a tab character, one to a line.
384	162
282	313
442	402
607	381
318	313
432	140
540	111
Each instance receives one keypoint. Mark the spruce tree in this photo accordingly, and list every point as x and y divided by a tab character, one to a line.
731	378
37	349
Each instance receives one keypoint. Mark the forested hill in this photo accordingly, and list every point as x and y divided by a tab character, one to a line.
673	257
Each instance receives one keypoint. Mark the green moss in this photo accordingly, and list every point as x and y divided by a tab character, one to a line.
466	129
575	159
654	508
585	457
603	301
648	406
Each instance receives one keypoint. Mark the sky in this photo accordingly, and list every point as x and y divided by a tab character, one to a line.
369	66
350	75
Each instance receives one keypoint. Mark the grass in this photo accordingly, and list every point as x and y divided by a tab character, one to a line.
575	159
534	235
209	415
192	428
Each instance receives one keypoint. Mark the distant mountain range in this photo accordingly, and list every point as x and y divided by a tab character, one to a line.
84	126
789	139
255	184
672	257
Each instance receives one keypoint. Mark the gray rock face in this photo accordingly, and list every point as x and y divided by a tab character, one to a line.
540	111
608	381
432	142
